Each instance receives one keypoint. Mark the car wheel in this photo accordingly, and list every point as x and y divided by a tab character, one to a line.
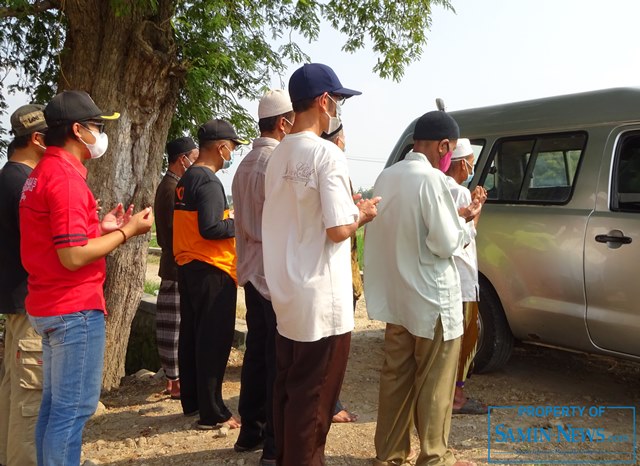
495	340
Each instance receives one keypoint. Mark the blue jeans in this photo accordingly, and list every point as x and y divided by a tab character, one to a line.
73	355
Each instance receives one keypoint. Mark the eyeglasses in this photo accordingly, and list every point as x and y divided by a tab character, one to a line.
469	166
97	124
338	99
285	119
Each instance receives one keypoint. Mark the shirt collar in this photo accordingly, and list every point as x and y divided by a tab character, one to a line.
170	174
417	156
63	154
265	142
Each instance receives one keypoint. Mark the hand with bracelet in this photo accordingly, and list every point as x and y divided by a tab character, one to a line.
115	219
75	257
137	224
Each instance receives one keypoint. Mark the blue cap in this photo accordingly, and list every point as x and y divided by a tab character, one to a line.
314	79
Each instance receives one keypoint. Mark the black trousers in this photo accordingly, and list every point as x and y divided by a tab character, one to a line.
258	374
207	321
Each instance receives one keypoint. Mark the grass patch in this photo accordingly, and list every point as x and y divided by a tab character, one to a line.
153	259
360	242
153	241
151	288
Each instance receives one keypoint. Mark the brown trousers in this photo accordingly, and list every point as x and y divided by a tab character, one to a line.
416	388
308	380
20	392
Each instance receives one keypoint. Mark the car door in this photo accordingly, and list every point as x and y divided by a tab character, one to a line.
612	249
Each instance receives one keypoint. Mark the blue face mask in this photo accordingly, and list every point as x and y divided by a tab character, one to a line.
471	173
227	163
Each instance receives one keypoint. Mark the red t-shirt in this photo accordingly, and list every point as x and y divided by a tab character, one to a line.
57	210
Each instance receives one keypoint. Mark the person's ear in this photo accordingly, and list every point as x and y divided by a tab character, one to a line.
443	146
75	128
323	100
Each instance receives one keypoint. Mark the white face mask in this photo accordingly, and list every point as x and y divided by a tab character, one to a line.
40	146
98	148
188	160
334	121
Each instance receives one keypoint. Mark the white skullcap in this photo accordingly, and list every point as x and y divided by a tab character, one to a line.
463	149
275	102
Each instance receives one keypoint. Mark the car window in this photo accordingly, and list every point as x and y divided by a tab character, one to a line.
626	188
534	169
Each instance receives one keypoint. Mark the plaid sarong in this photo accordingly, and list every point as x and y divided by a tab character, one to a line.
168	327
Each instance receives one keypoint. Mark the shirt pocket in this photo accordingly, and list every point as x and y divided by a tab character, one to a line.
29	363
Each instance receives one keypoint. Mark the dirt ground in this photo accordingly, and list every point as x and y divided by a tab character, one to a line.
140	426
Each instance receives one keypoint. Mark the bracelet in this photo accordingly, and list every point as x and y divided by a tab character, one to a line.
124	235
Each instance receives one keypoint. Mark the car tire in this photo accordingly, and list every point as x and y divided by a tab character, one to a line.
495	340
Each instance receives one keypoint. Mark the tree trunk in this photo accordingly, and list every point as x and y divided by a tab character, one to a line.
112	57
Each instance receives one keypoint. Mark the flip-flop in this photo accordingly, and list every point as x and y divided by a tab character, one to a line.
471	406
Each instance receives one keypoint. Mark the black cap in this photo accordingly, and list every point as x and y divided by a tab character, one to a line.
314	79
179	146
28	119
72	106
435	126
214	130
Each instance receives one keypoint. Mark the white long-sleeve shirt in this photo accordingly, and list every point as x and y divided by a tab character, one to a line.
410	276
466	258
248	200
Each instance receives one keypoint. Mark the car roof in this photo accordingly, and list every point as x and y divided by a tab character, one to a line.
580	110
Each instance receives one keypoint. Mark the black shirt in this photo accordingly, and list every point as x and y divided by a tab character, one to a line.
163	210
13	277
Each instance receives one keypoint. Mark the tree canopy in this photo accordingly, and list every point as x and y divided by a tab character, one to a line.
225	50
168	66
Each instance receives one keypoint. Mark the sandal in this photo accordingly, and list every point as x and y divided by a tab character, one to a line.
471	406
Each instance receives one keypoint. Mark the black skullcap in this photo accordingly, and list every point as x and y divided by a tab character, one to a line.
179	146
435	126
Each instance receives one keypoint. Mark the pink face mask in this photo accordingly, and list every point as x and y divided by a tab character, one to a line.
445	162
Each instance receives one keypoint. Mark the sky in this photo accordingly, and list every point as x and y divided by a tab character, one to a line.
488	52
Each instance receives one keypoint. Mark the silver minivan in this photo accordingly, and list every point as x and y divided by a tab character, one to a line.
559	237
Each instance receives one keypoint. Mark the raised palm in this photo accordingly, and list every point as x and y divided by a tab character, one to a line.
116	218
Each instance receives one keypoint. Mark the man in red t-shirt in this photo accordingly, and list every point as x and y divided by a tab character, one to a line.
63	245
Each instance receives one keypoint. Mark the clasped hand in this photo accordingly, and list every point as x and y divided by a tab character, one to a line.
368	208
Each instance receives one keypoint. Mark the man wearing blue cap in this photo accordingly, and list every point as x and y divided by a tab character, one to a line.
308	217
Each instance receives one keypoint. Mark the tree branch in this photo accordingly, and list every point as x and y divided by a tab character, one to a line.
38	7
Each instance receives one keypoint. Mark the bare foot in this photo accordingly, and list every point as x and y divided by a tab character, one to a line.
459	399
232	423
464	463
345	416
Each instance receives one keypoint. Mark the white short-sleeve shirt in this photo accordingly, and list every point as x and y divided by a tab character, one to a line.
308	275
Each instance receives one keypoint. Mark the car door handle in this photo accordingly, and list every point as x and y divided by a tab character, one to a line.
613	239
